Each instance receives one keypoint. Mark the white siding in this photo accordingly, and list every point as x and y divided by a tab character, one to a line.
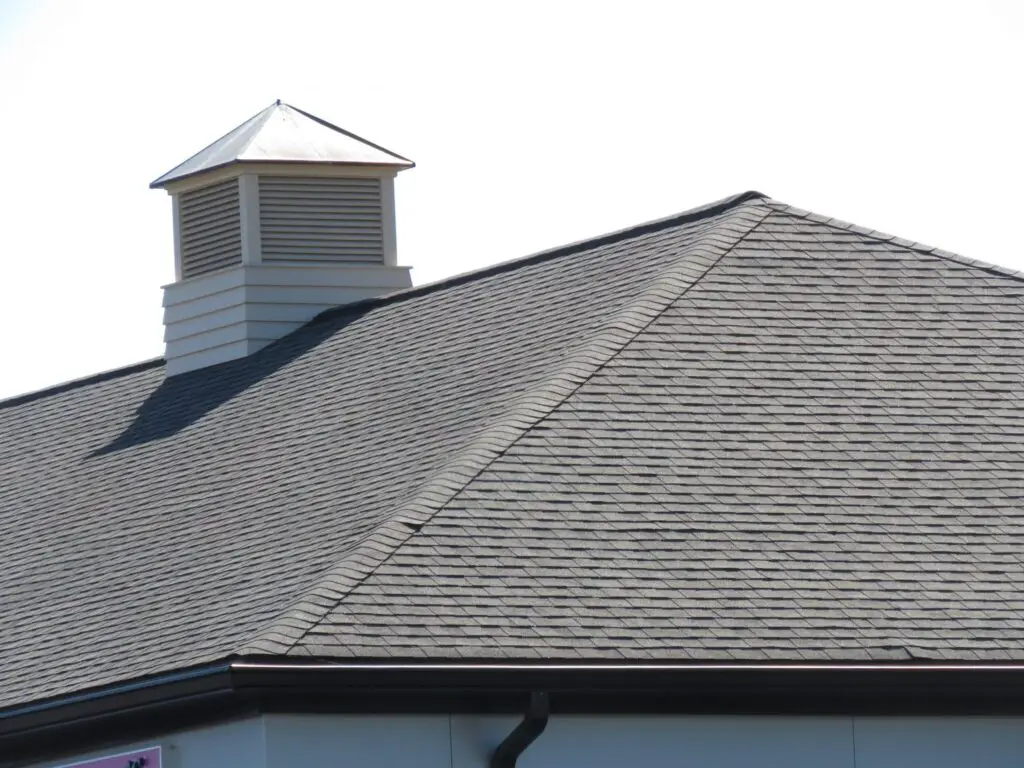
663	742
333	222
939	742
235	312
239	743
459	741
358	741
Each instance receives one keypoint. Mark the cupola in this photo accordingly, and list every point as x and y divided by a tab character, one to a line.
282	218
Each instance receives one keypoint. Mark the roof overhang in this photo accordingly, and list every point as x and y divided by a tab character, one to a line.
236	168
236	688
287	134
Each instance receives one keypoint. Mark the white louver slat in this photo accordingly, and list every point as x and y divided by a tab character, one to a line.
210	229
317	219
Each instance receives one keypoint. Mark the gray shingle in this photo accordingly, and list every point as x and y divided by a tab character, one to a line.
149	524
820	455
747	433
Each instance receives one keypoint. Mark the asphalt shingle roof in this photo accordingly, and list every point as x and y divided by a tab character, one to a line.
746	432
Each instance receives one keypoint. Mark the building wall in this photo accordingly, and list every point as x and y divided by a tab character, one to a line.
440	741
240	743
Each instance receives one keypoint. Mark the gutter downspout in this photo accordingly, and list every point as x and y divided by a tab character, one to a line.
534	722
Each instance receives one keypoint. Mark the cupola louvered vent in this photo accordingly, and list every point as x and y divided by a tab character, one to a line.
281	219
209	228
321	219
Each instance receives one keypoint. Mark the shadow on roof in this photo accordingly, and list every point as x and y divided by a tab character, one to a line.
182	400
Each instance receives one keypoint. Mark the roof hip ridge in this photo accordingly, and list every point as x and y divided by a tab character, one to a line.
290	626
636	230
82	381
261	119
884	237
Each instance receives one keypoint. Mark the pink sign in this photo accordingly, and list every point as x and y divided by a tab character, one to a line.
141	758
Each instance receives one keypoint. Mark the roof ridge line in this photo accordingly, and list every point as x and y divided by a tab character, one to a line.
693	214
384	540
263	115
885	237
92	378
342	131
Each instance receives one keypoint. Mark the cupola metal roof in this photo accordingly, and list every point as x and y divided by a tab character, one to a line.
282	133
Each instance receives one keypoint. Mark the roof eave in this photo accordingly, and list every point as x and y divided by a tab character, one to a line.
166	180
227	689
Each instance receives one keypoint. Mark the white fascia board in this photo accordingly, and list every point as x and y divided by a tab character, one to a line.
322	274
317	170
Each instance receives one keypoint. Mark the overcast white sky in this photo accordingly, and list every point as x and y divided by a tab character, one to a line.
532	124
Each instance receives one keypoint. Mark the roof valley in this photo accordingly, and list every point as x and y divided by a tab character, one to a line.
285	633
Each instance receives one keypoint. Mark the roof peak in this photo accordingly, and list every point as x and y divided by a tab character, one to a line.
722	225
282	133
416	422
693	214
